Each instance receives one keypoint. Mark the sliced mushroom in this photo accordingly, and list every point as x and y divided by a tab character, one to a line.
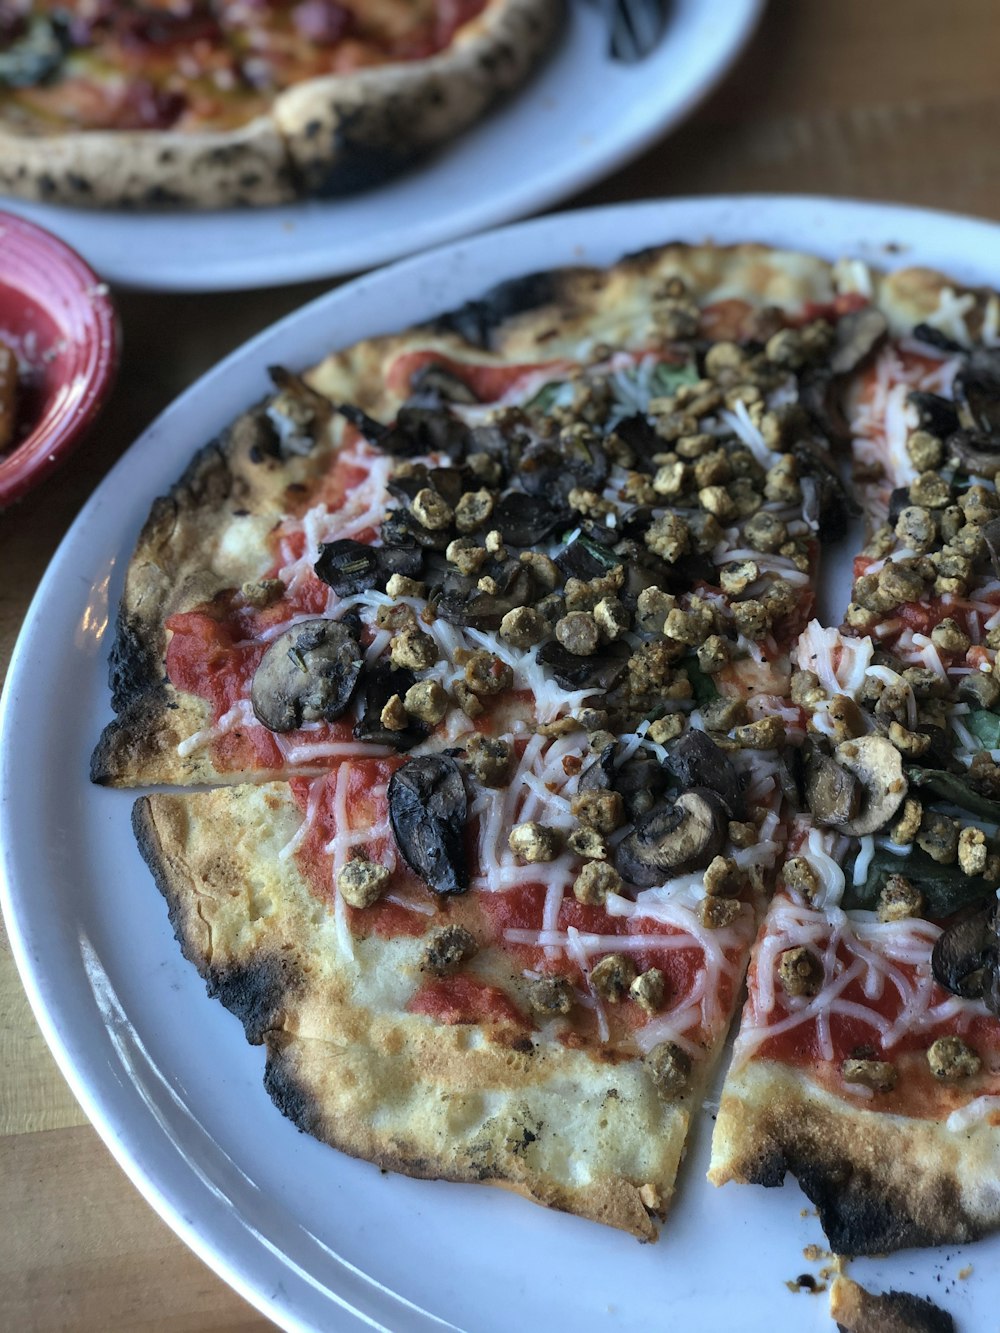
673	839
832	792
297	412
583	558
417	430
382	682
464	601
427	811
434	383
599	671
934	413
976	389
696	761
351	567
640	435
927	333
966	958
523	520
308	674
977	451
859	335
990	533
599	776
878	766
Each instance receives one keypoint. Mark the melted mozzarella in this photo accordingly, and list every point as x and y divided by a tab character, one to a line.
240	715
840	661
879	954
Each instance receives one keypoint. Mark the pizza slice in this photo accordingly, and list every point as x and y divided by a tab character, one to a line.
214	105
453	968
867	1059
605	519
536	570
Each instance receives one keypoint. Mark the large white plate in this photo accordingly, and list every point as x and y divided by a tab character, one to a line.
309	1236
580	118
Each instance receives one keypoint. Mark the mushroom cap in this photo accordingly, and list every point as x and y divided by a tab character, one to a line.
833	793
308	674
878	766
427	811
673	839
966	957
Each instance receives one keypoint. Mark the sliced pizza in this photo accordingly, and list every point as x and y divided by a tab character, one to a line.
494	638
207	105
867	1060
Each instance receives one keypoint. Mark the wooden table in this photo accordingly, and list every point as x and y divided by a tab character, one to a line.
890	99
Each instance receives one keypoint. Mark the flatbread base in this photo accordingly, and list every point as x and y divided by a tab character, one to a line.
350	1066
880	1182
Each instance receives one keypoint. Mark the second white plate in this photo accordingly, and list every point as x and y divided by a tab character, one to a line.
311	1237
577	120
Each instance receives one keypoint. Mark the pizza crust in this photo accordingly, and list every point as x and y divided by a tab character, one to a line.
349	1066
246	167
328	135
350	132
857	1310
880	1182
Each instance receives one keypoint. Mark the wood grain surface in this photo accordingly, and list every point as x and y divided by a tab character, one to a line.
888	99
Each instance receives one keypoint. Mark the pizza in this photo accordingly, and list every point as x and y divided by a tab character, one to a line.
492	649
249	102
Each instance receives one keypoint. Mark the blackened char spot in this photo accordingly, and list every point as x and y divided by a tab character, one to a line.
255	992
904	1310
476	321
288	1095
859	1215
133	666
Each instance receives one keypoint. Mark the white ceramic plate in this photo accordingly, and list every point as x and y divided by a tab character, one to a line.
313	1238
579	119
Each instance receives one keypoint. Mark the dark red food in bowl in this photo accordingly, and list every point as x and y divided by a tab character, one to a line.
57	316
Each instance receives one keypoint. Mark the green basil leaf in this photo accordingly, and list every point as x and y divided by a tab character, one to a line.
701	682
955	788
668	377
985	726
945	888
545	399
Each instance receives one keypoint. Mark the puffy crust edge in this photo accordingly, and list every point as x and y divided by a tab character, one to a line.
248	166
353	131
880	1182
857	1310
328	135
400	1091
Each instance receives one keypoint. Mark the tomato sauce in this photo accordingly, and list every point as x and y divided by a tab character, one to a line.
917	1092
465	999
487	382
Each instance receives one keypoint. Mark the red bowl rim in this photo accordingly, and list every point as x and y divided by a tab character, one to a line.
95	361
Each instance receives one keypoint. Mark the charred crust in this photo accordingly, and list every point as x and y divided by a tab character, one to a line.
151	850
255	992
916	1313
127	735
290	1096
860	1215
133	665
477	321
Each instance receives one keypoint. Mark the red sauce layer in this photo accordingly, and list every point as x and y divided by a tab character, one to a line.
465	999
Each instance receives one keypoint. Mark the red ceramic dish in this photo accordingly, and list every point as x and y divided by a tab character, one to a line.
58	318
